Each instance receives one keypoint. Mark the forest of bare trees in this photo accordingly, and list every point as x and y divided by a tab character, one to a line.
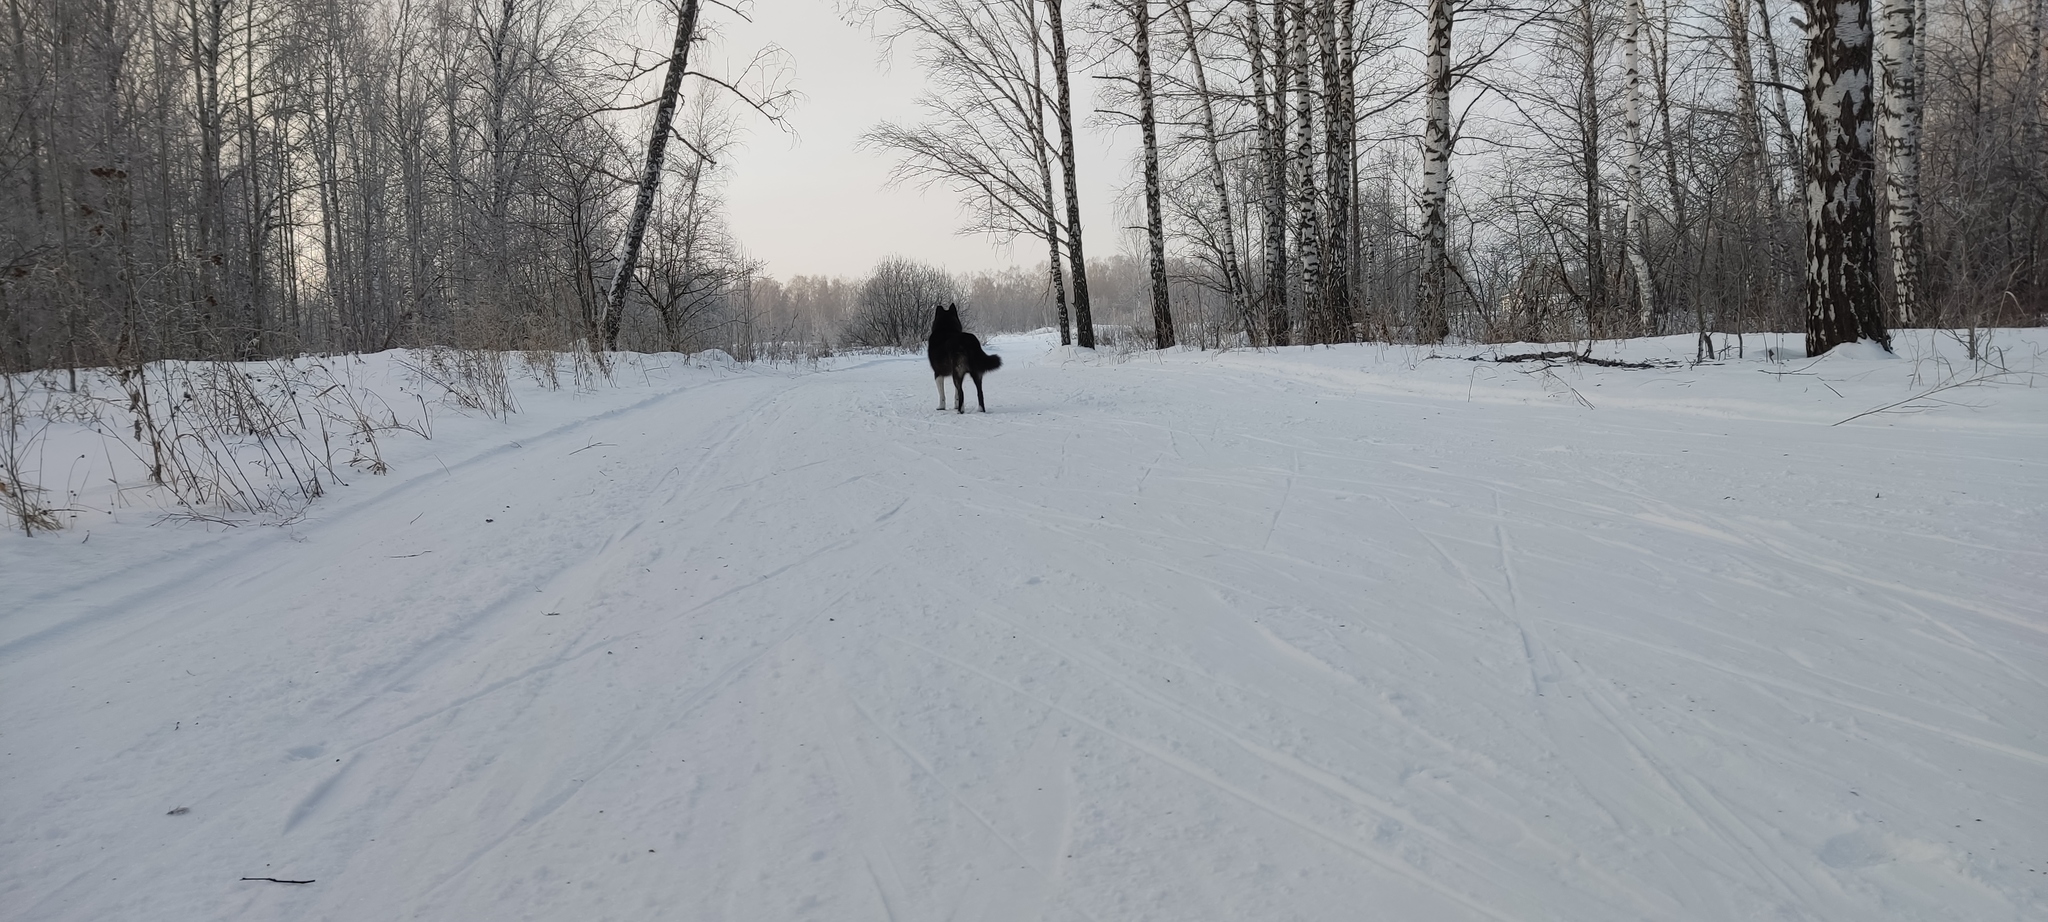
1337	170
227	179
230	179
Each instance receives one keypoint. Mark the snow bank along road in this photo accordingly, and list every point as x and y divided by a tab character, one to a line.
1323	634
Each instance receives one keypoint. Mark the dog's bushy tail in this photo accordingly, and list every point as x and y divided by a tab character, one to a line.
987	361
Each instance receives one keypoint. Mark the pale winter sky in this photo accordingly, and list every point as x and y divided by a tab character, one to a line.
814	203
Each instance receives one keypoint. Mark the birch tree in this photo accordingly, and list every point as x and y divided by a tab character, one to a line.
1155	231
1041	153
1227	257
1755	168
1841	207
1898	67
1063	110
650	173
1269	98
1586	105
1339	111
1636	33
984	134
1308	238
1433	318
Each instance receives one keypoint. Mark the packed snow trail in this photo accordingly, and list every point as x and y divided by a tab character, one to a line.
1321	634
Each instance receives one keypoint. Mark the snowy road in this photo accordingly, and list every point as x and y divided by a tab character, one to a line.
1324	634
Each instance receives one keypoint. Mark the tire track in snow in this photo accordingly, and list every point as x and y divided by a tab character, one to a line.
626	744
899	897
881	892
1286	495
1210	779
1477	760
1730	534
2024	755
1081	528
1543	667
677	714
952	796
262	570
1697	798
1748	537
1532	653
437	650
1751	540
181	571
1830	567
1542	663
184	573
1481	864
555	569
848	764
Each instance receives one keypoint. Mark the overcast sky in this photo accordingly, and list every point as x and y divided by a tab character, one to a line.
813	203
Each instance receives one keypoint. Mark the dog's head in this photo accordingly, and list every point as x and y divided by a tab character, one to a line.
946	319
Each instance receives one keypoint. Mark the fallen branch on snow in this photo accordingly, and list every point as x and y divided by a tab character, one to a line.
1980	379
1563	356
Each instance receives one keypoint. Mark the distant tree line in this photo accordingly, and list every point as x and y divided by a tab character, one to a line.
891	306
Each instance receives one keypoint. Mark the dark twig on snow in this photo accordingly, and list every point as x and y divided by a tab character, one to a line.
1797	371
277	881
1980	379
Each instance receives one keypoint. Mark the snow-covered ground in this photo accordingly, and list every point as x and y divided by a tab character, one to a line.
1345	633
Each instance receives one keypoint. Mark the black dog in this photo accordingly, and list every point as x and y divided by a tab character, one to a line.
956	352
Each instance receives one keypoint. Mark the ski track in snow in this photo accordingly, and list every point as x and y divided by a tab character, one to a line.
1314	634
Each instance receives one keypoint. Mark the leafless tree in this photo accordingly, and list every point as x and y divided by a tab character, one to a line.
985	135
1437	143
239	178
894	306
650	174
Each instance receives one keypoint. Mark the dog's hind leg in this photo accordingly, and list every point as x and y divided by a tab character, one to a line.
959	391
977	393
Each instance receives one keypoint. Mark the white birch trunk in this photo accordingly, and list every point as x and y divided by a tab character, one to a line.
1063	110
1348	250
1270	101
1155	233
1633	125
1334	321
1781	115
1841	203
1598	305
650	174
1756	161
1898	114
1233	280
1432	320
1042	149
1307	241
